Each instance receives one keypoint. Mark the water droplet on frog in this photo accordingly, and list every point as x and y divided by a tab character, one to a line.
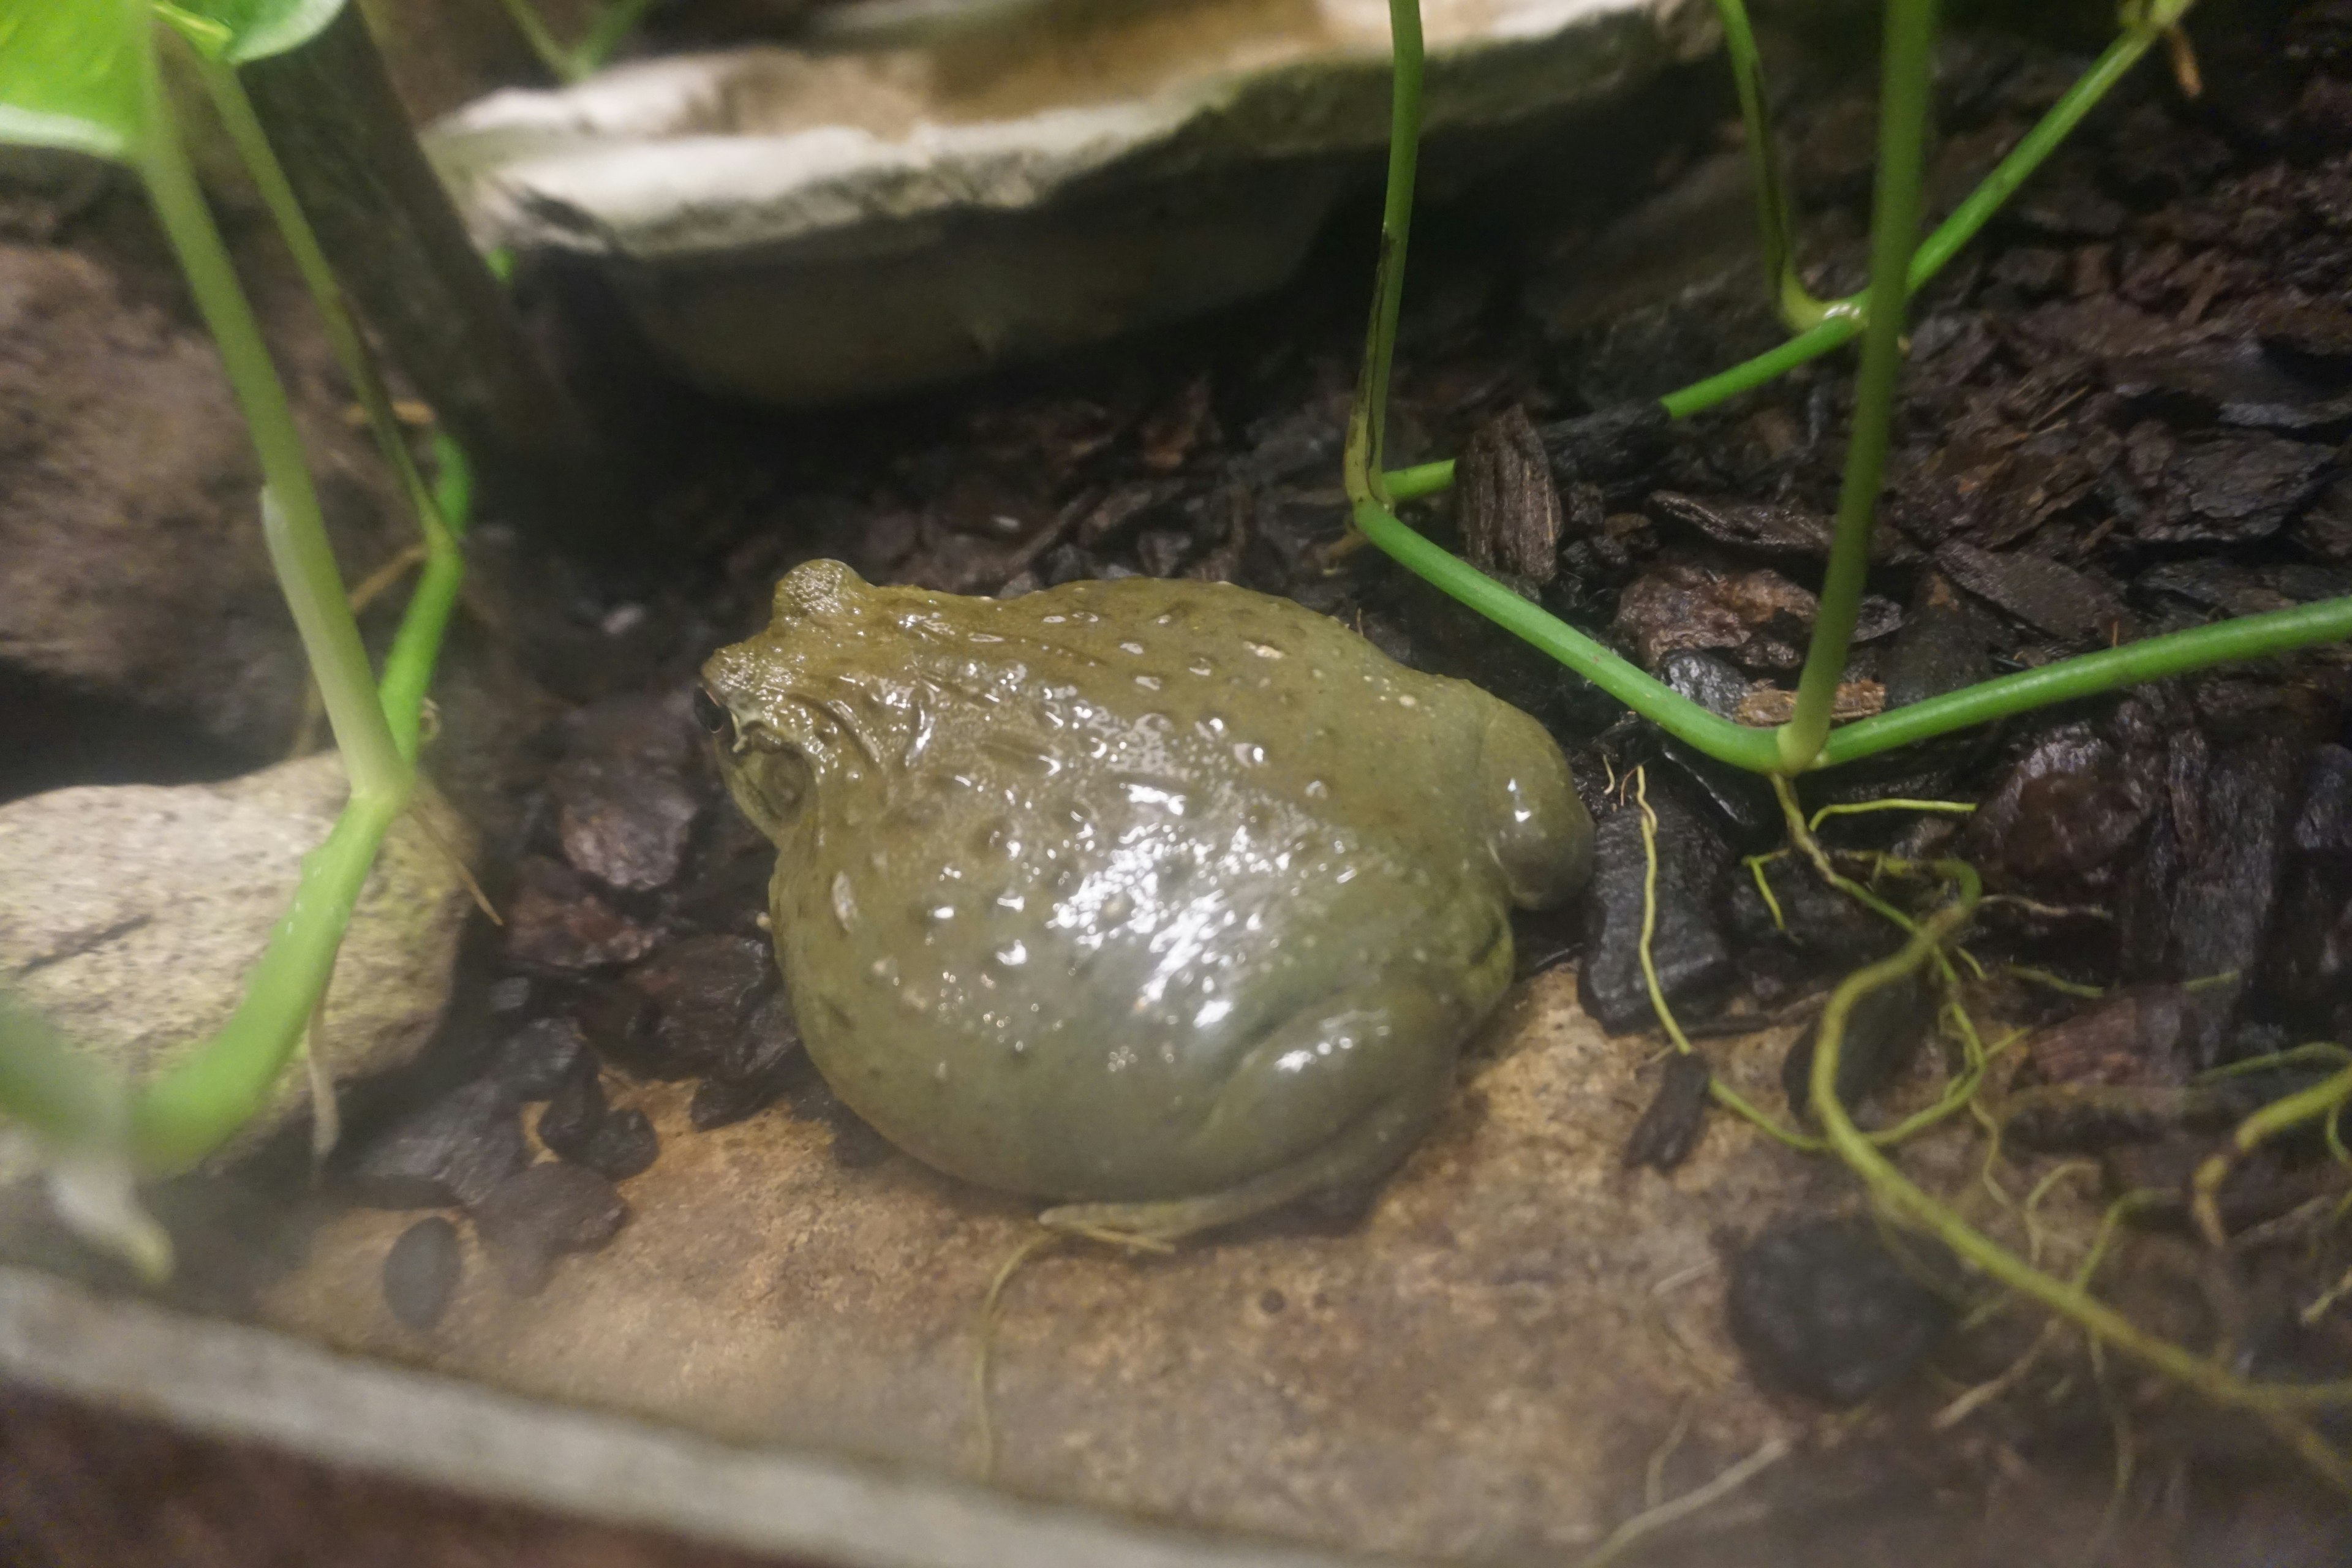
940	1072
1084	618
1054	620
940	914
1248	755
1013	955
844	901
1263	650
1130	647
1162	620
1404	701
1202	667
1149	682
1317	789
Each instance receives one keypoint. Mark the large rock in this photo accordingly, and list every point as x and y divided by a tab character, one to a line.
918	202
1481	1368
141	630
131	914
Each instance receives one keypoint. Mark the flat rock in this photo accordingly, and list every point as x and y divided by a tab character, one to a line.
130	915
913	202
1480	1369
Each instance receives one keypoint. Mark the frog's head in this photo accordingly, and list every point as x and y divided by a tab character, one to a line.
762	701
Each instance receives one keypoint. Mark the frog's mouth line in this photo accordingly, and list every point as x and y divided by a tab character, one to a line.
770	777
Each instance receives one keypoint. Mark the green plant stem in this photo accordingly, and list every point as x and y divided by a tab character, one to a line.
188	1113
408	666
1934	254
415	648
1910	26
2242	637
1775	223
191	1109
350	350
1759	750
1361	462
1367	416
292	525
1628	682
1896	1194
1950	237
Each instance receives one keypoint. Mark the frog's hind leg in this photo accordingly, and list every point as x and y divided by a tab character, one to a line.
1368	1149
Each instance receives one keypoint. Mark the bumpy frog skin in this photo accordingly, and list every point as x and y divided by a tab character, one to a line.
1169	901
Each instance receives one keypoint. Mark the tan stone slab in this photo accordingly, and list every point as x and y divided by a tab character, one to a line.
1483	1364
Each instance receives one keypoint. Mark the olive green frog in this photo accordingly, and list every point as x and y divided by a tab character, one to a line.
1167	901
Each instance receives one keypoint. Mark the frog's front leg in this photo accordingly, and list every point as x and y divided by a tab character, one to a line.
1413	1063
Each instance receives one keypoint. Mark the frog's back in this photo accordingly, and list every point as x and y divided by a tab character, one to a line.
1112	850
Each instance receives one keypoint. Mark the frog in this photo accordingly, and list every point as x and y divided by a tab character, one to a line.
1166	903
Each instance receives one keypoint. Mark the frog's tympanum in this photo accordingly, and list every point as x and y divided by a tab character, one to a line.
1167	901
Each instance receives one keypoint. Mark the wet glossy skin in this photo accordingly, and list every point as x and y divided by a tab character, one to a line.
1135	891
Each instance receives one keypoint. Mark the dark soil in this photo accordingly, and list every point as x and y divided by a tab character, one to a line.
2125	413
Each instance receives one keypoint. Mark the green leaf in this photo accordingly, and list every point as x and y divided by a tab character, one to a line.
73	74
243	31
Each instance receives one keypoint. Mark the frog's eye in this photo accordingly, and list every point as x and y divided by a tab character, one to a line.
709	711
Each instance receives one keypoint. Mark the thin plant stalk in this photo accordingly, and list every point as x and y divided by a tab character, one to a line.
350	350
1377	522
191	1109
293	526
2087	675
1893	230
416	648
1776	225
1368	417
408	667
1935	252
1371	493
1677	715
1950	237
